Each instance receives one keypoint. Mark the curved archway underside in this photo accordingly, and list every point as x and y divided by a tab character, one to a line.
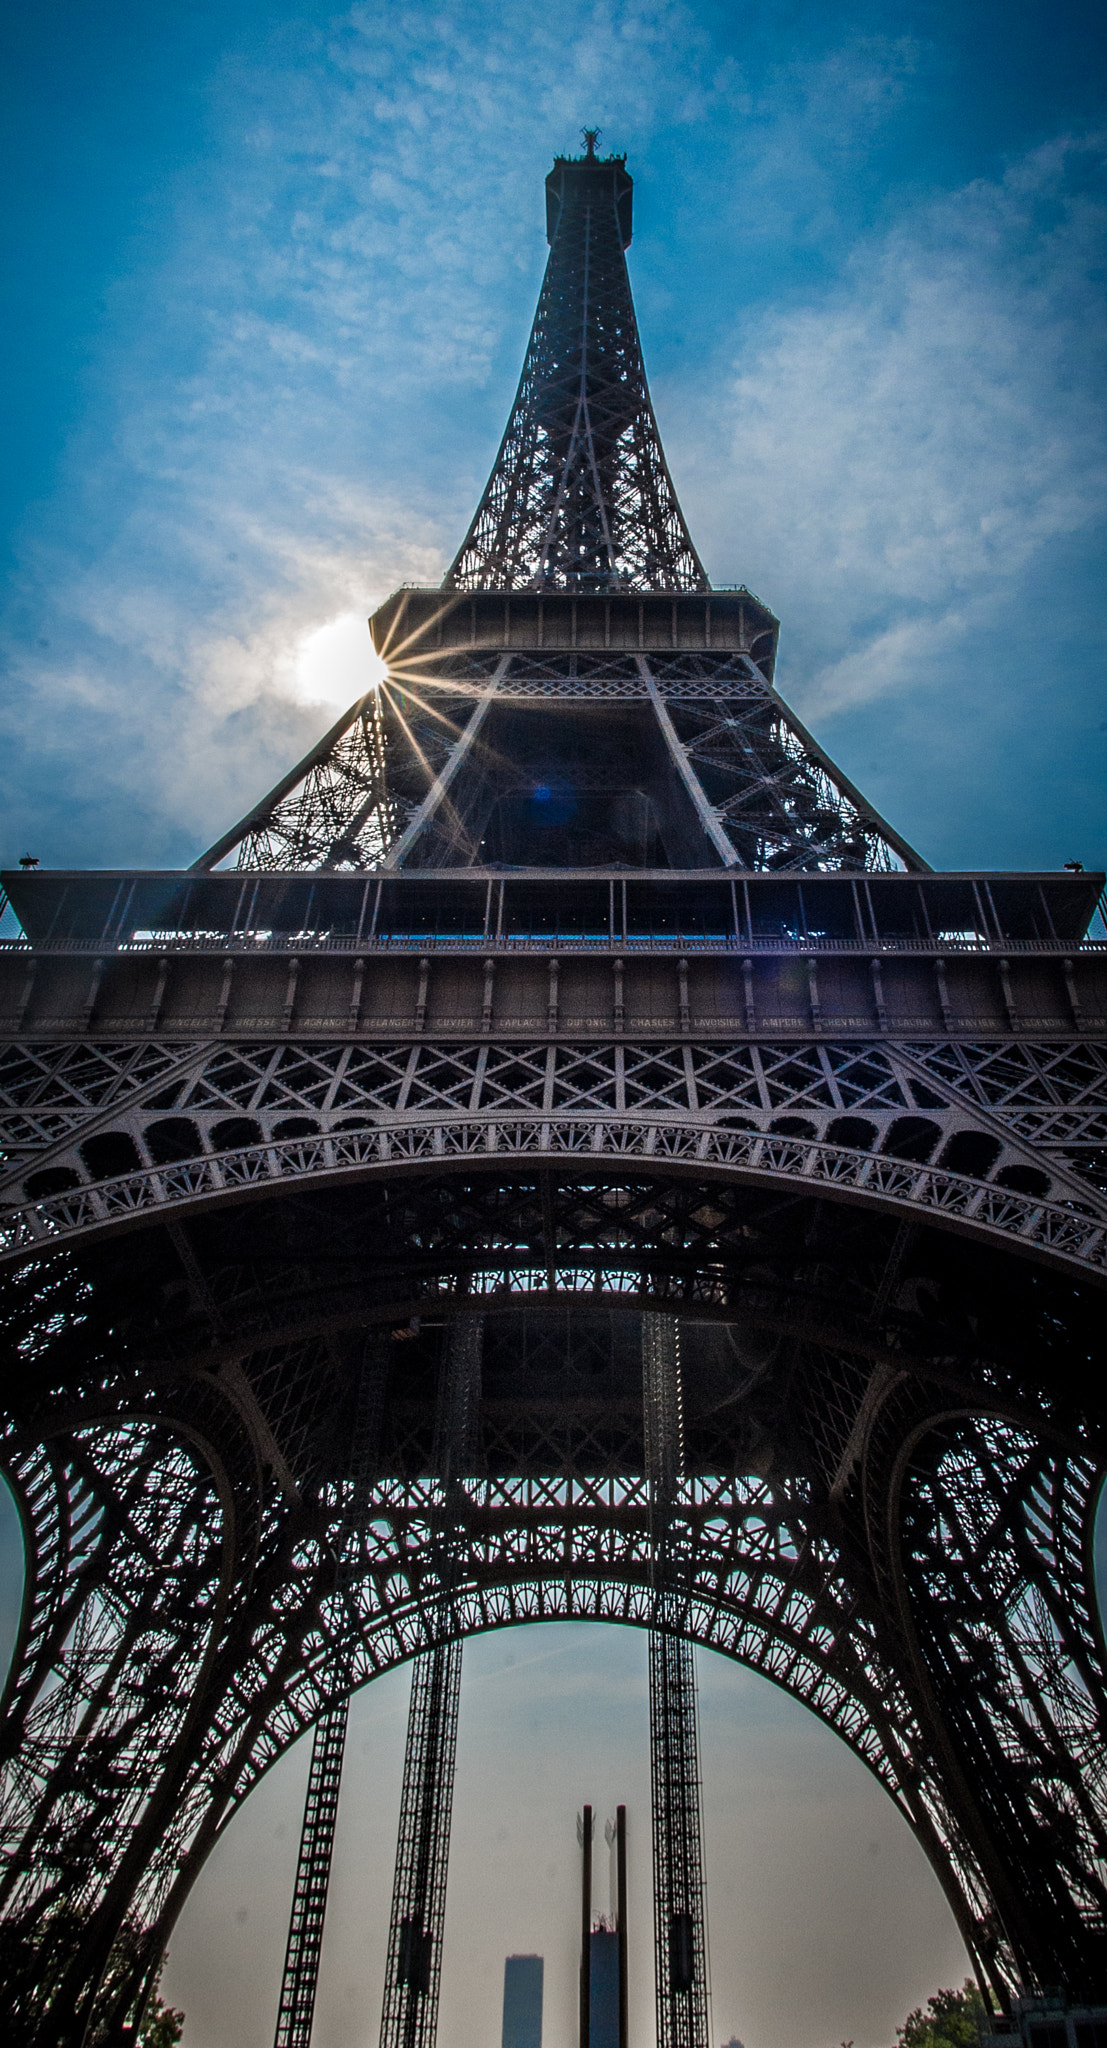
179	1449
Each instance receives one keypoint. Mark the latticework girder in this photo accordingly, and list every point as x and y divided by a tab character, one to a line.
413	1972
754	790
296	2009
680	1929
680	1907
335	809
795	1632
313	1870
994	1551
580	497
1005	1139
757	1570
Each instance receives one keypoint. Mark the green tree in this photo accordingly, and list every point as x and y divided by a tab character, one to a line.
162	2026
952	2019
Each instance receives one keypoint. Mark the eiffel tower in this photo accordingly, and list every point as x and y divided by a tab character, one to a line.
562	1155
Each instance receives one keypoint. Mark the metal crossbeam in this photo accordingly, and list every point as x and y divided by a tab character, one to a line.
682	761
437	792
680	1910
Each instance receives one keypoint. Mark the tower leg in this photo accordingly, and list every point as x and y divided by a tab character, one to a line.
410	2015
296	2010
680	1919
309	1899
409	2018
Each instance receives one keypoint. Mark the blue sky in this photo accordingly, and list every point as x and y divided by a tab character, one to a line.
270	274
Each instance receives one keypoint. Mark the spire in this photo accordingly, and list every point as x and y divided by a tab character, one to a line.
669	746
580	498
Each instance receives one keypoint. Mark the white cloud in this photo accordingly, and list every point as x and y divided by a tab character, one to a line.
190	711
900	451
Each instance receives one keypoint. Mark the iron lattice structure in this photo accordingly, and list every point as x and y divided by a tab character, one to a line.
580	496
672	758
680	1913
413	1972
568	983
680	1933
333	809
579	510
296	2008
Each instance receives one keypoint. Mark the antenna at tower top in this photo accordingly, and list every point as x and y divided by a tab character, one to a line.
591	137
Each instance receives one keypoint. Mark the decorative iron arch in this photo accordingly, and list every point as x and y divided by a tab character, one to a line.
1065	1230
784	1547
758	1578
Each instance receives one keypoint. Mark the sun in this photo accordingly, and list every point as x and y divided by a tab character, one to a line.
337	662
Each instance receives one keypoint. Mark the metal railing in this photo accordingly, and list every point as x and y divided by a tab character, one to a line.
252	944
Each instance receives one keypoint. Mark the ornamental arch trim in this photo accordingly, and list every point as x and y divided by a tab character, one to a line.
1066	1233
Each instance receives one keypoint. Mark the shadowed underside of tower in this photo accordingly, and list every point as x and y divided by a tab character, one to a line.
567	987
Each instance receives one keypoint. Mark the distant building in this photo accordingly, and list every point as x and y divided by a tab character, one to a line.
603	2000
603	1943
522	2002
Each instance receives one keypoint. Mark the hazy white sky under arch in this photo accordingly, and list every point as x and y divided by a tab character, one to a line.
826	1922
